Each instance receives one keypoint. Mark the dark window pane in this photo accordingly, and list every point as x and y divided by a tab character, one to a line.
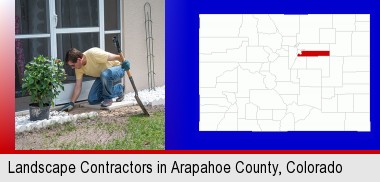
26	50
81	41
32	17
112	14
110	47
77	13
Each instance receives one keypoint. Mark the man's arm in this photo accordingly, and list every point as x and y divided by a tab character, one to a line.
77	90
124	63
113	57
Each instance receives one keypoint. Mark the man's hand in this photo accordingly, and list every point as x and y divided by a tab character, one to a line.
125	65
67	107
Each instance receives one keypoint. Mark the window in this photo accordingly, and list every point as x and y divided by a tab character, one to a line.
51	27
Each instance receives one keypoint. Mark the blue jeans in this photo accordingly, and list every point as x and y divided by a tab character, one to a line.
104	87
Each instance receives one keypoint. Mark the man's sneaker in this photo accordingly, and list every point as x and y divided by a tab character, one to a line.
106	103
121	96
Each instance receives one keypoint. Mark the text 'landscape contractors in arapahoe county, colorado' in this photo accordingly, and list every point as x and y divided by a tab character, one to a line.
177	167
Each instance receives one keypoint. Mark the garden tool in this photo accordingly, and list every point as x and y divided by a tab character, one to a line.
116	43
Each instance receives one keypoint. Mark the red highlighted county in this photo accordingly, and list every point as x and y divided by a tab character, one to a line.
314	53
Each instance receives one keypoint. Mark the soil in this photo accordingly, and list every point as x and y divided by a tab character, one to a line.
109	125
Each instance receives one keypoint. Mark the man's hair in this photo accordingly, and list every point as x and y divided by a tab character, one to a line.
72	55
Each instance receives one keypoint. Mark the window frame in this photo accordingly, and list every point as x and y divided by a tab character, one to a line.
54	31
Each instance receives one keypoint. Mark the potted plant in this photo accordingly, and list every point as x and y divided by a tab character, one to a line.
43	78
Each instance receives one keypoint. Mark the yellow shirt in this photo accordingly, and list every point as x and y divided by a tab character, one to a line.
96	63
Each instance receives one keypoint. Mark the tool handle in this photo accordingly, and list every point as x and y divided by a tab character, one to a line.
133	84
116	43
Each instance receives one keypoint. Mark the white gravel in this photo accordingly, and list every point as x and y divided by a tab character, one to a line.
23	123
153	97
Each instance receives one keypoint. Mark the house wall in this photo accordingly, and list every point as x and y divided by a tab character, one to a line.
134	48
134	44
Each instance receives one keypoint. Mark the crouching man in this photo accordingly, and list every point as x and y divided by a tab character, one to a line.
108	69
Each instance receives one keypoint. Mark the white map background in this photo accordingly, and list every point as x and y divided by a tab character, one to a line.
250	78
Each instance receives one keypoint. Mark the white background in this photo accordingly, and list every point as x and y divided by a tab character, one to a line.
355	167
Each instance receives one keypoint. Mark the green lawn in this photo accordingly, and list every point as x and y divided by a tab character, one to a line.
142	133
136	132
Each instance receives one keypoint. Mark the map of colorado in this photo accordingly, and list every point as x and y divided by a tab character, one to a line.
284	72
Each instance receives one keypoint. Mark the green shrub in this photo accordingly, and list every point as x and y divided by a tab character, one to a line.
43	79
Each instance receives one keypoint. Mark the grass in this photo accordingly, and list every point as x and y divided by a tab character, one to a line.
143	133
109	131
139	132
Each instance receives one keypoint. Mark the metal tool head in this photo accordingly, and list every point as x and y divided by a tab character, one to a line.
146	113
